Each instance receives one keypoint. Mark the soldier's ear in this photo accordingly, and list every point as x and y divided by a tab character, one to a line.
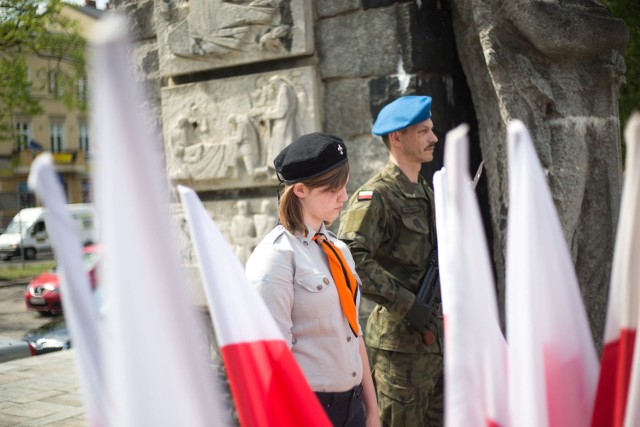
300	190
394	138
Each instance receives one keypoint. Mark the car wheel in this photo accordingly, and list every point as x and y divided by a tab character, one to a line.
29	253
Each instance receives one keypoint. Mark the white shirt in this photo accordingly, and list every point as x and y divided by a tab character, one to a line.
291	273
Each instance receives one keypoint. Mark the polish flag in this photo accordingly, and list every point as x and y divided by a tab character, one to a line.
267	384
553	366
476	351
80	312
157	362
622	315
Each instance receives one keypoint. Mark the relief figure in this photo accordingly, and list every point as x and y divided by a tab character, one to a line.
218	28
243	232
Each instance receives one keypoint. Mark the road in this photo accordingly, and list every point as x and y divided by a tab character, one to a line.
15	320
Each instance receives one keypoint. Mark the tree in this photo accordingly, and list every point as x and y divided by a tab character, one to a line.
37	28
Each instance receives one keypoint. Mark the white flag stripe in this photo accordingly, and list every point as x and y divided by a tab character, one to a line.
219	265
75	288
158	372
440	199
476	350
627	254
625	279
552	360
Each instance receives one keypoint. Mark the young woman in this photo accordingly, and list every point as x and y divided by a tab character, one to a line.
307	278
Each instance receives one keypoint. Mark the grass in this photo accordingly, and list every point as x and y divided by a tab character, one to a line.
24	270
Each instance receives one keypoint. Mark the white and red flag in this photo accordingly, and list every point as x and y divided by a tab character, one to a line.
80	312
553	365
157	369
267	384
614	390
476	351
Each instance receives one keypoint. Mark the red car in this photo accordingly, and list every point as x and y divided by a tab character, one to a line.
43	293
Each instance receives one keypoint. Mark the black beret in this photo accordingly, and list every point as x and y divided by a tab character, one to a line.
309	156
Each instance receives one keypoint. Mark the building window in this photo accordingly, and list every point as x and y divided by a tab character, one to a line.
81	90
83	138
56	131
23	133
86	191
55	87
26	197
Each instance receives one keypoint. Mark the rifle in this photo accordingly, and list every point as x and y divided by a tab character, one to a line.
431	280
428	289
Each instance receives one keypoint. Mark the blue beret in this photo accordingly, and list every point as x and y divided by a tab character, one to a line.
309	156
402	113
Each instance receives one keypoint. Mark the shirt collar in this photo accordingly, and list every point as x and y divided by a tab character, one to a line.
310	233
408	188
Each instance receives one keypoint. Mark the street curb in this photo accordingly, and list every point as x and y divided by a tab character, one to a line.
15	282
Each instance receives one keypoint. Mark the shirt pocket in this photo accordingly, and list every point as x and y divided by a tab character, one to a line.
314	294
413	243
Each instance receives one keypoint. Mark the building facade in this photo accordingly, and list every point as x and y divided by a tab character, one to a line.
58	129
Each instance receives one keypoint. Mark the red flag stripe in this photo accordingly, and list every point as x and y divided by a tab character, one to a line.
613	385
263	375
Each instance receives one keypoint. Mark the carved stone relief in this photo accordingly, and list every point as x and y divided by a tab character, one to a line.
558	67
244	222
225	133
197	35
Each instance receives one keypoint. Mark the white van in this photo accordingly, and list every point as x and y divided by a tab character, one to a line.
28	230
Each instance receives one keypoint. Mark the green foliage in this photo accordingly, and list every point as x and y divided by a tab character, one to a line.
15	93
30	270
36	28
629	11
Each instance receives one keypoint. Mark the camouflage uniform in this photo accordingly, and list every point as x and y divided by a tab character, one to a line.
389	227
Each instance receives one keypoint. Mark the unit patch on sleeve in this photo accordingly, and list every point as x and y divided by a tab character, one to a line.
365	195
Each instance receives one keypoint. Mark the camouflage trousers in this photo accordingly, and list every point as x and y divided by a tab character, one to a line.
409	388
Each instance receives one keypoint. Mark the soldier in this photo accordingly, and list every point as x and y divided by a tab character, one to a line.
389	227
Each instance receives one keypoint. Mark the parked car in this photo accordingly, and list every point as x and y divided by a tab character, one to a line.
27	231
54	335
50	337
43	293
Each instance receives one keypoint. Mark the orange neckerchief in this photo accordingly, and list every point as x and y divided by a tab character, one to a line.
345	281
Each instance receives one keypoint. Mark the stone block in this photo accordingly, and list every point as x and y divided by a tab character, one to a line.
223	134
204	35
346	106
360	44
328	8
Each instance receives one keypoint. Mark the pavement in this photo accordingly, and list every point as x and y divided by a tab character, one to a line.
41	391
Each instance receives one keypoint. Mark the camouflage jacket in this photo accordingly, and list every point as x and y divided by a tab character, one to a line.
389	227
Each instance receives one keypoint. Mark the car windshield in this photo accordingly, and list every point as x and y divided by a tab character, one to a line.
16	226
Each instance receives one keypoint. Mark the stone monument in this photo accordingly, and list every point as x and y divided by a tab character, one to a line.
236	80
558	67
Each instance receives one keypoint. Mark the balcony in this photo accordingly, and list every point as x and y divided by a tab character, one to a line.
65	161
